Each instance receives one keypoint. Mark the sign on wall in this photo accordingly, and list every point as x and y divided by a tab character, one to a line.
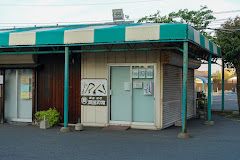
94	92
25	88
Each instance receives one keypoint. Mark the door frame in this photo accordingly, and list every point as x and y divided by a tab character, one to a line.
131	103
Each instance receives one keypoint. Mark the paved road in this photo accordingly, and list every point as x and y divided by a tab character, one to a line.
230	102
220	141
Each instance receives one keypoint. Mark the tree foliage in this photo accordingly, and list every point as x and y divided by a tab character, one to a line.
198	19
227	75
228	37
229	41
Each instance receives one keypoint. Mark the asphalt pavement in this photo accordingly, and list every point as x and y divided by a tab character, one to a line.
27	142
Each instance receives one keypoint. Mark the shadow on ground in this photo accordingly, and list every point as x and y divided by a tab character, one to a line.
220	141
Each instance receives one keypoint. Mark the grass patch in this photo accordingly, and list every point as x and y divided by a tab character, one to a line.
232	116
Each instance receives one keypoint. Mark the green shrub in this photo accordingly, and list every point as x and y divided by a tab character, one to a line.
230	116
52	115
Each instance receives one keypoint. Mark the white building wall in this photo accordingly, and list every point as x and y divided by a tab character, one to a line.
95	65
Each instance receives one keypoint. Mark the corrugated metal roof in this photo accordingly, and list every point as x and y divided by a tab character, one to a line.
82	34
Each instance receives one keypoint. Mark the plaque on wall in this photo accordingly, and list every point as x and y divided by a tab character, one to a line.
94	92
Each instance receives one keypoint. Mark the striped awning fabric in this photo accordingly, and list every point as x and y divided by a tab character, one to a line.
203	79
82	34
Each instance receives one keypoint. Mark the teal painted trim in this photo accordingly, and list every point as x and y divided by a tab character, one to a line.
4	39
66	85
209	86
211	47
109	34
202	40
209	52
173	31
89	51
50	37
223	88
190	33
185	76
87	44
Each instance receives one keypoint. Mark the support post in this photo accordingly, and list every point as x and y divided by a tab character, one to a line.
222	86
203	87
184	133
209	86
2	116
66	84
209	122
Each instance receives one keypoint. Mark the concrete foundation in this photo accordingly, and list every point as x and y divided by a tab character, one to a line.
184	135
65	129
209	123
222	114
78	127
44	124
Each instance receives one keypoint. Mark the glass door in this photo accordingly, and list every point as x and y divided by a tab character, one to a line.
143	94
18	99
120	94
132	94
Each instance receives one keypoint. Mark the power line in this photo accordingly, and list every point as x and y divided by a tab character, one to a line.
231	11
109	20
220	29
71	5
55	22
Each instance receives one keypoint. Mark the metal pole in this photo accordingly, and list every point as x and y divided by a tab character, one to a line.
185	76
209	87
222	86
66	81
203	87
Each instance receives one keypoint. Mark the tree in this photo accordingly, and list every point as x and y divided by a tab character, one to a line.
228	37
218	75
199	19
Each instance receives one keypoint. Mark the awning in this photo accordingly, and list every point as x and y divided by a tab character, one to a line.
204	79
105	33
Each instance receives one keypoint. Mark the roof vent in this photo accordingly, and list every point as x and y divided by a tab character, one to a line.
118	15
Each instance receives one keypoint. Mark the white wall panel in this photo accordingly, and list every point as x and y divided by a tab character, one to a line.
140	33
197	36
22	38
206	43
78	36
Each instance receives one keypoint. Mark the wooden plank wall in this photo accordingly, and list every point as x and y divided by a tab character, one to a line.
50	85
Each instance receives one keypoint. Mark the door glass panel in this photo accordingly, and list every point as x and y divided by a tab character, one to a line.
143	93
24	96
120	94
10	94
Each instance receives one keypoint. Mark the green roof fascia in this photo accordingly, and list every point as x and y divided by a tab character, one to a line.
173	31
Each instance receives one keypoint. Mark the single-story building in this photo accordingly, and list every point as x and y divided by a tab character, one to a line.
141	75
